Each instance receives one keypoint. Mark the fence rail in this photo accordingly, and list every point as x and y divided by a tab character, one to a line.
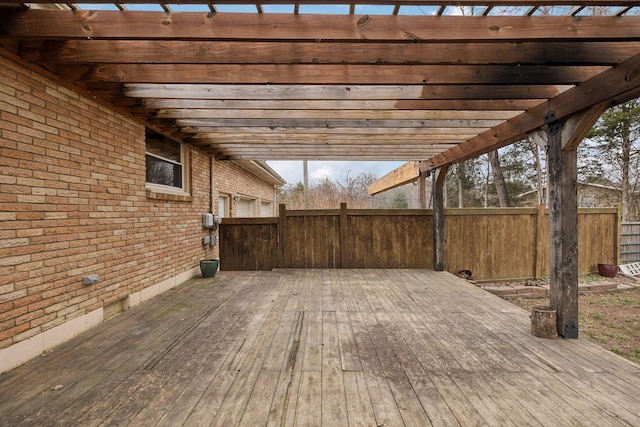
494	244
629	242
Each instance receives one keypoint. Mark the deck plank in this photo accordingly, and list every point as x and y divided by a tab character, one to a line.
309	404
385	409
334	404
322	348
359	407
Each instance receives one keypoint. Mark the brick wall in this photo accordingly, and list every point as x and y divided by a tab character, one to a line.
233	180
73	203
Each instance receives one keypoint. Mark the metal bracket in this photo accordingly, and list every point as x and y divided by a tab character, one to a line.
553	124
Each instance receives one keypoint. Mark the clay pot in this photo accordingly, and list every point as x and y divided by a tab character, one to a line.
608	270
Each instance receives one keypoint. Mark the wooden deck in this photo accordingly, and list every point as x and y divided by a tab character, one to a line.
322	348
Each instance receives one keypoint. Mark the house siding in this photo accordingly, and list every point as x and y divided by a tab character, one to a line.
73	203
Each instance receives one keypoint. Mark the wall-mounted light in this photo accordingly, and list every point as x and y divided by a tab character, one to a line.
236	199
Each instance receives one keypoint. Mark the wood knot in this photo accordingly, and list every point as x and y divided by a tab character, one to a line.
364	20
632	75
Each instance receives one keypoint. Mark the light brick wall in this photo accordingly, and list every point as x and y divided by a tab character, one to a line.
232	180
73	203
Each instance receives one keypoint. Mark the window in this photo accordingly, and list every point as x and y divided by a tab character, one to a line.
245	207
266	209
166	164
223	206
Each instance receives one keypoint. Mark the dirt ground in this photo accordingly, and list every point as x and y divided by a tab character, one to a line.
610	319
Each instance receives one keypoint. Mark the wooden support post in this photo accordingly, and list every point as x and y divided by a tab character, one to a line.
282	220
562	140
342	258
563	230
438	217
422	190
538	262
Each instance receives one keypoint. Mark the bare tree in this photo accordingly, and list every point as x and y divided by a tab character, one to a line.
498	179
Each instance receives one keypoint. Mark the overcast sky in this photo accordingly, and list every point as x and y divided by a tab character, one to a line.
291	171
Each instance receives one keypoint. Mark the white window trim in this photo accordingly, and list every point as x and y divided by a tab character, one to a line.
227	205
254	204
186	174
268	203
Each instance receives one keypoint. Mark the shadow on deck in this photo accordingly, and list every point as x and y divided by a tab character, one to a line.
322	348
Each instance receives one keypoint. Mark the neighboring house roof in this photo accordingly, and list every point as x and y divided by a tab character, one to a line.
262	171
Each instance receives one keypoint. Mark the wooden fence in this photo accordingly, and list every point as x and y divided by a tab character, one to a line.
494	244
629	242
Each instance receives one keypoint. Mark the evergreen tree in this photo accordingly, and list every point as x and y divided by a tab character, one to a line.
612	150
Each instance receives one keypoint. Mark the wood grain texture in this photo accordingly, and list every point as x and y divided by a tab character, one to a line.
406	173
329	74
323	348
511	243
82	24
253	52
379	73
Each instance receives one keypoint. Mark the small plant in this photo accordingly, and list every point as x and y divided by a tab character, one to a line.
618	351
596	315
587	278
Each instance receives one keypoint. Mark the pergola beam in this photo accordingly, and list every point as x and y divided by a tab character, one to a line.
400	93
406	173
617	80
329	74
150	104
123	25
379	2
241	114
256	52
323	133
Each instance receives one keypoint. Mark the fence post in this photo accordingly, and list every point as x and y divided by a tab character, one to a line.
343	236
282	218
438	217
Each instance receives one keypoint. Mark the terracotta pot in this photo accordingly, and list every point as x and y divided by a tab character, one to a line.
608	270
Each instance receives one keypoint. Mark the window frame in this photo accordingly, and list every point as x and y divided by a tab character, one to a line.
266	204
185	163
227	205
252	202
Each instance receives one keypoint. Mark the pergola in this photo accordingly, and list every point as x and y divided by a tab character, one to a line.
431	82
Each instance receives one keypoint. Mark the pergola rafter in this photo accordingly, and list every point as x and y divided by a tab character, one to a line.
379	73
